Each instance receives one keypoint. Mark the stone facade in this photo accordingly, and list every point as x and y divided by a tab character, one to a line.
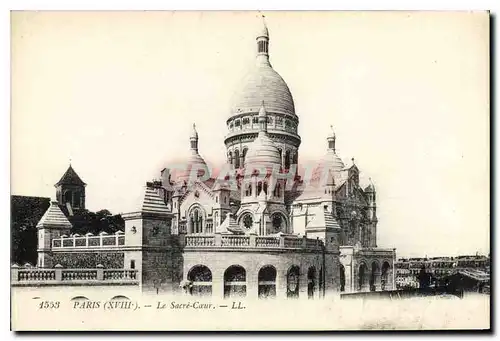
259	228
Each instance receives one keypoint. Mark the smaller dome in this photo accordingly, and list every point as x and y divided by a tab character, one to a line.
262	153
193	162
331	163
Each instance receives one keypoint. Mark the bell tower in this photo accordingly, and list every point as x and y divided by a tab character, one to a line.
70	190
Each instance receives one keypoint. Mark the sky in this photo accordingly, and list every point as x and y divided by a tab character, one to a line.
407	94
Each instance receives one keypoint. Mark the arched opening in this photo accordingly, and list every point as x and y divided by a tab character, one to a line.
311	282
265	187
68	197
196	221
278	223
237	158
295	158
375	277
267	282
277	190
342	278
216	219
200	278
292	282
287	159
235	282
76	200
321	283
230	158
248	190
244	155
386	279
363	277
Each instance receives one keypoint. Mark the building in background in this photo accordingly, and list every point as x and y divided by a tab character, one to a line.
439	268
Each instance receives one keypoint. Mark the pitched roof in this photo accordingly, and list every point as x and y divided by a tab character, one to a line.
54	217
152	203
70	178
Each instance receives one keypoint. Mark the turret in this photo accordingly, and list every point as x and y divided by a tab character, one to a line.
53	224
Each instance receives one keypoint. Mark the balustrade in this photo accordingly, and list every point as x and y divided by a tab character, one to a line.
79	274
235	241
200	240
89	240
267	242
40	275
251	241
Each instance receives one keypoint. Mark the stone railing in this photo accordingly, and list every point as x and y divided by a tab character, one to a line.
237	241
252	241
99	275
89	241
200	241
266	242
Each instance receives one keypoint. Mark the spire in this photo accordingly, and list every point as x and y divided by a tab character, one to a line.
331	140
263	32
193	138
70	178
263	44
262	120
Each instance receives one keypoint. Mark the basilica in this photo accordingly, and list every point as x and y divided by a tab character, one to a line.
257	227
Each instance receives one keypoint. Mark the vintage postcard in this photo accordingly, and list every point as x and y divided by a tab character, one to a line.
254	171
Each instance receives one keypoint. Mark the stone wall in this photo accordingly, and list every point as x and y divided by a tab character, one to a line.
110	260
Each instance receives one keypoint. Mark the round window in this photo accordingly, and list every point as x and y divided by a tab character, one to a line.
247	221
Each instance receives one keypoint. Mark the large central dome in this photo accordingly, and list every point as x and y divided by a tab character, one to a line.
262	83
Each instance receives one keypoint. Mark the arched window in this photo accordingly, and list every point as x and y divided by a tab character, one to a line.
277	190
76	200
265	187
287	159
200	278
295	158
375	277
216	219
278	222
236	158
342	278
196	221
244	155
235	284
281	153
259	187
68	197
363	277
230	158
311	282
321	283
292	282
248	190
267	282
385	276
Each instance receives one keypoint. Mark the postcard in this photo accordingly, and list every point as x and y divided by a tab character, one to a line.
250	171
